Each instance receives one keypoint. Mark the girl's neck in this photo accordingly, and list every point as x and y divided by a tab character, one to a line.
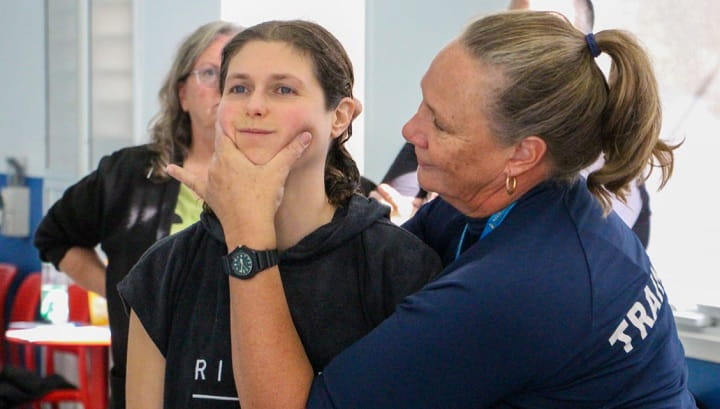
304	207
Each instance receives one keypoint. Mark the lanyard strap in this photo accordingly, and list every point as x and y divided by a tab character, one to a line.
493	222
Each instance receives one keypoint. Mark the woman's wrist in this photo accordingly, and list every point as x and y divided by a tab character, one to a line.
256	237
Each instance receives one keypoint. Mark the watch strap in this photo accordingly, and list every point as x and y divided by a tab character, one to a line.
264	259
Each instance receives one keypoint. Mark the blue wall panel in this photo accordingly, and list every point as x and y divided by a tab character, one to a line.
20	250
704	382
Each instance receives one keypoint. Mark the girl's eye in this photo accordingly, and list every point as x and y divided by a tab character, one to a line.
285	90
238	89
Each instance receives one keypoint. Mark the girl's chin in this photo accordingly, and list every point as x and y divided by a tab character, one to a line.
261	156
256	156
260	160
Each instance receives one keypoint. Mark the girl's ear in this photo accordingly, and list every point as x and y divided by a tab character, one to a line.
343	115
358	108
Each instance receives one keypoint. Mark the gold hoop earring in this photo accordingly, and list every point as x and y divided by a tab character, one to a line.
510	184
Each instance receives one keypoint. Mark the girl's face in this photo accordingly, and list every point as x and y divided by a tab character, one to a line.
271	95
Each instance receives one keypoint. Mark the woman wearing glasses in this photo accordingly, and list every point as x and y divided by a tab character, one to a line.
129	202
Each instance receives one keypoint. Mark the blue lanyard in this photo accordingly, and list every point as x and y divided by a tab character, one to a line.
493	222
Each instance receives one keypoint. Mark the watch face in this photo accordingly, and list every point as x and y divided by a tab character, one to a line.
241	263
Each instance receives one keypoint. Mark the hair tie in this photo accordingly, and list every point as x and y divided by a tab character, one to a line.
592	45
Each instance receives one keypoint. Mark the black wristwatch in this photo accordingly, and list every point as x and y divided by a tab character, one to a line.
244	262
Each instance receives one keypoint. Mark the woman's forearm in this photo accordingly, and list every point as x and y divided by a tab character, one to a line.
269	361
84	266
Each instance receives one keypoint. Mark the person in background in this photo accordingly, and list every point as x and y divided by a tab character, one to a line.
129	201
547	299
400	189
345	265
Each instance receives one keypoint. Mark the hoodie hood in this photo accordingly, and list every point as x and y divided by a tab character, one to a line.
348	222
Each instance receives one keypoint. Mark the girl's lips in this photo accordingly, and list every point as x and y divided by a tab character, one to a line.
254	131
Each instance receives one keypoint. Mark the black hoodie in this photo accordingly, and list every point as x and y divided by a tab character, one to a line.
340	281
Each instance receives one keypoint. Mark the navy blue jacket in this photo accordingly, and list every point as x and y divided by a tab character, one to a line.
557	308
340	281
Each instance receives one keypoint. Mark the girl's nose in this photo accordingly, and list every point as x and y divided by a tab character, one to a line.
256	105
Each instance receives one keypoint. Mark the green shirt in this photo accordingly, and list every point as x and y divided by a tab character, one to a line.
187	210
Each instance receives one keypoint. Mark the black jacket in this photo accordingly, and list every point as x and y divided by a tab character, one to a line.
340	281
118	207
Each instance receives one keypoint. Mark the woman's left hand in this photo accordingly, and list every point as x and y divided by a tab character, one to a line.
243	195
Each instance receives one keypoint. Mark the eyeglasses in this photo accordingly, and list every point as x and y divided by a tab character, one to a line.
207	76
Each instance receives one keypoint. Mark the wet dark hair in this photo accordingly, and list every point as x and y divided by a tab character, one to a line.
334	72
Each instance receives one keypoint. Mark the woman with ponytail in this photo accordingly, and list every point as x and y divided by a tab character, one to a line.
547	300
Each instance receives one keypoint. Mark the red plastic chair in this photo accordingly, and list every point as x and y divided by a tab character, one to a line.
79	304
25	306
8	272
27	299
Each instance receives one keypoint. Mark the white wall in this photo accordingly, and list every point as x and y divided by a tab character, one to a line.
685	229
347	23
403	36
22	101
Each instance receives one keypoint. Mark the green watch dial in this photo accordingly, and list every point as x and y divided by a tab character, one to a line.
241	263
